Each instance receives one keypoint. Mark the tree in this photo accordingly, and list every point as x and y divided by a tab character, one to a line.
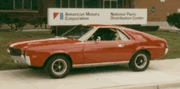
34	22
5	19
39	22
10	23
19	23
174	20
13	23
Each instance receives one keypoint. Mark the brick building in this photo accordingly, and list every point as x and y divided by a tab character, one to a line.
158	9
29	9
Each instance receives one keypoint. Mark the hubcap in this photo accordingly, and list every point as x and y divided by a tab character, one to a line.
140	61
59	66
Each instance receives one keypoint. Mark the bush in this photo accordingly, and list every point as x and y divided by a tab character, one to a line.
13	23
34	22
174	20
10	23
19	23
39	22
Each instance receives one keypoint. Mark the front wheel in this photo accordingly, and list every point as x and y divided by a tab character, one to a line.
58	67
140	61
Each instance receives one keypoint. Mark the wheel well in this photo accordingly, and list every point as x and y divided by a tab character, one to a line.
58	54
145	51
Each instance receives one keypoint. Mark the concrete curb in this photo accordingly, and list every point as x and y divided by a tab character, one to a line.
164	85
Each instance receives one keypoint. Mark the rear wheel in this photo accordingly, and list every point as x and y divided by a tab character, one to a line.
58	67
140	61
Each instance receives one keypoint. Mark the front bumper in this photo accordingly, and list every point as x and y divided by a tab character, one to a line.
166	51
22	60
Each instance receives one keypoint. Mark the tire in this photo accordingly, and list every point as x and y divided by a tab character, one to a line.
140	61
58	67
36	68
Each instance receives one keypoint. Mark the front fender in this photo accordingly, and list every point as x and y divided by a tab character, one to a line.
38	58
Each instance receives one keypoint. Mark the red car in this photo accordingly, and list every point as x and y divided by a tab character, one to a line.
89	45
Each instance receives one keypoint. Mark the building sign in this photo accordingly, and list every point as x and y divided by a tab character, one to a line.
66	16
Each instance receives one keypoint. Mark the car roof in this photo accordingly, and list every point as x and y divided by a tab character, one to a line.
99	25
105	25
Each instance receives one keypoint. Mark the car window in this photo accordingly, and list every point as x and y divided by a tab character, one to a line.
122	35
105	34
77	32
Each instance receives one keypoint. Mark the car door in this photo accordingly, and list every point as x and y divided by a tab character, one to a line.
107	49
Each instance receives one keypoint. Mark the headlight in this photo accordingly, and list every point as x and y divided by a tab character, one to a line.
166	50
27	58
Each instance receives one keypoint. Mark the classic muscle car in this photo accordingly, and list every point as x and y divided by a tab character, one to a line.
89	45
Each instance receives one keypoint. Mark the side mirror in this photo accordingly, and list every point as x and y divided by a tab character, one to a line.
98	38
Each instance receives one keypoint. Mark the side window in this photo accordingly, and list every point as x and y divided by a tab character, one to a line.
105	34
123	36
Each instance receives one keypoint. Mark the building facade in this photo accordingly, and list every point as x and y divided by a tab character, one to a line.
29	9
158	9
23	9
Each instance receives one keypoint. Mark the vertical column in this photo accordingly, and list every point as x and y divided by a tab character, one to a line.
132	3
68	3
61	3
82	3
116	3
14	4
22	4
110	3
76	4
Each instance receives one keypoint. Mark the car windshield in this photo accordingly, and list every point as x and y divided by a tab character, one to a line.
76	32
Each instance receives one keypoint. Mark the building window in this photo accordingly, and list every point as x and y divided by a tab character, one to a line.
80	4
106	4
114	4
65	3
27	4
70	3
73	3
18	4
22	4
34	4
6	4
110	3
120	3
92	3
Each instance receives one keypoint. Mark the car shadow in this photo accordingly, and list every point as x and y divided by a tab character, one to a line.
100	69
42	74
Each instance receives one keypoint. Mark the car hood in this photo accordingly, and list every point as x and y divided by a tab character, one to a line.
23	44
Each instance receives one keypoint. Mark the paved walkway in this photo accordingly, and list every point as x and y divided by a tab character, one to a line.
163	25
159	74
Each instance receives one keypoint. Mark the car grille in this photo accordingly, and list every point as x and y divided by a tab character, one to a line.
15	51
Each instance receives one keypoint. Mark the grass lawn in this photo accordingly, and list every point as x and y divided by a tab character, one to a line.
6	63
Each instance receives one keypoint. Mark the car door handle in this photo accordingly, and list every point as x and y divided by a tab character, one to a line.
121	45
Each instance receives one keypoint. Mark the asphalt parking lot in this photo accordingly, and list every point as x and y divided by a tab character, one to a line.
161	74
